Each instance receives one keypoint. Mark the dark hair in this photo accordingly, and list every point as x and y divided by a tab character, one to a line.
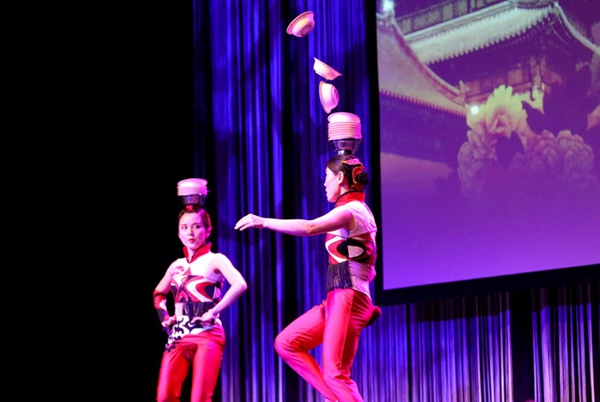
352	168
204	216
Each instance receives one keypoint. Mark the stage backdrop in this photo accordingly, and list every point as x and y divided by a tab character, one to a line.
489	176
260	139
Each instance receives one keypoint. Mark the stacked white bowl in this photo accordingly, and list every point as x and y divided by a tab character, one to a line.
344	132
192	191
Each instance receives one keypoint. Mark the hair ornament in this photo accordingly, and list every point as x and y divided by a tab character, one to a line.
352	162
355	172
357	169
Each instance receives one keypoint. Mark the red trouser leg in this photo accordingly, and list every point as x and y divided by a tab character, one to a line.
173	370
347	312
207	365
205	351
297	339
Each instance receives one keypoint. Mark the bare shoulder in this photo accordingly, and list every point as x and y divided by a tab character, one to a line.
175	266
220	261
220	257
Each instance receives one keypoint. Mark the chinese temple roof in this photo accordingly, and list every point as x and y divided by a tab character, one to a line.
490	26
403	75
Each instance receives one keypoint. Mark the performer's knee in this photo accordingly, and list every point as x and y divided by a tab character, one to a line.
333	379
282	346
166	394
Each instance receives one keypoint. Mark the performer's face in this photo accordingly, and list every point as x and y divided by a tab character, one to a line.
332	184
192	232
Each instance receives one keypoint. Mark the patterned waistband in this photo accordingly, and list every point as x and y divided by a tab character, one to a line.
193	309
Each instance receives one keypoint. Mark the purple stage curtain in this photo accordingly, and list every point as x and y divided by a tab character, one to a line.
261	142
565	338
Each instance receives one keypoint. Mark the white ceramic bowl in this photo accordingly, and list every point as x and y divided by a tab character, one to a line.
324	70
329	96
302	24
343	116
192	186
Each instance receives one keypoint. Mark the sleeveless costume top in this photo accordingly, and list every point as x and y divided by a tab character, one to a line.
196	288
352	253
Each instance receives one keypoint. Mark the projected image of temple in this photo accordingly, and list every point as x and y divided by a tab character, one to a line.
490	135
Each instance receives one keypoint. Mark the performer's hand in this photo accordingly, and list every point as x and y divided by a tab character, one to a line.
250	221
206	319
168	321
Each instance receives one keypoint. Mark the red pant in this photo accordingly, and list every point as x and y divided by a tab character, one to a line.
336	323
205	352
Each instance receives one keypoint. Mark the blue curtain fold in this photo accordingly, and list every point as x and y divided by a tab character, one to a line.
565	335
